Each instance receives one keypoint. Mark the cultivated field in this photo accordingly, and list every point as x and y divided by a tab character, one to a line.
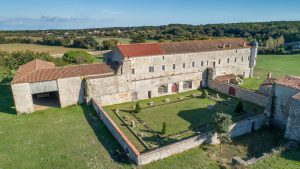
121	40
278	65
37	48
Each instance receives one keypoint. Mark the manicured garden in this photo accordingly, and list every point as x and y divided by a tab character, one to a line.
184	115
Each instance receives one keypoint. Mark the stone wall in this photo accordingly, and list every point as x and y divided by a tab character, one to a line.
241	93
42	87
283	100
292	131
22	97
237	129
71	91
129	148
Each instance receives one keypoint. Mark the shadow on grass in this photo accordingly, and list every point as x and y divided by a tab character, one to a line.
104	136
6	100
292	154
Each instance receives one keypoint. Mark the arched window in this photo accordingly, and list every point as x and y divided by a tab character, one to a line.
187	85
163	89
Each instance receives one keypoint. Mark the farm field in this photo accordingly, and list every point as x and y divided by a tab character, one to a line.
121	40
187	116
53	50
74	137
278	65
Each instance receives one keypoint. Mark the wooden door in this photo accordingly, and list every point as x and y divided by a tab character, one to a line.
231	91
174	88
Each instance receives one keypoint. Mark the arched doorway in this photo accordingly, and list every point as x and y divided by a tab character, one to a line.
231	91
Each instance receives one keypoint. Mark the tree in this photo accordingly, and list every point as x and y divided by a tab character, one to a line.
239	107
78	57
109	44
204	94
87	43
222	124
164	128
138	108
137	39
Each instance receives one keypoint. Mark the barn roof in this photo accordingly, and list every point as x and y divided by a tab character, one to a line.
150	49
39	70
289	81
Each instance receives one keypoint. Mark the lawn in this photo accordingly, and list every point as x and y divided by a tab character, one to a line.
186	116
278	65
37	48
73	137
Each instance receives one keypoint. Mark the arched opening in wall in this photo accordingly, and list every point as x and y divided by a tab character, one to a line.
187	85
231	91
163	89
45	100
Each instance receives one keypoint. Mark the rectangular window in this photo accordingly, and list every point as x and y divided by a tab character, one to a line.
235	59
242	59
174	66
207	63
228	60
163	57
201	63
183	65
163	67
193	64
151	68
219	61
132	71
248	58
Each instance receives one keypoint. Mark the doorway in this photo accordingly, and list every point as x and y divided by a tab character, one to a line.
174	88
149	94
45	100
231	91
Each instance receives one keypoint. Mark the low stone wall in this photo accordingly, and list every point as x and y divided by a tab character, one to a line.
129	148
237	129
240	93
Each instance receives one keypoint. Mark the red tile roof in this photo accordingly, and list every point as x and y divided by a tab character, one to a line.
143	49
149	49
289	81
44	71
225	78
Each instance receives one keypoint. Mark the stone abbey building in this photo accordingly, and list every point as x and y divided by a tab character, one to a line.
132	72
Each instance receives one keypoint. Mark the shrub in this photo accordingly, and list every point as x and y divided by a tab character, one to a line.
78	57
204	94
164	128
239	107
138	108
109	44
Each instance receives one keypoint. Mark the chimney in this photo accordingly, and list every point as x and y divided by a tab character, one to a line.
244	44
269	75
224	45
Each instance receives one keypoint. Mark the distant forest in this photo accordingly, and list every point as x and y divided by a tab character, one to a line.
270	35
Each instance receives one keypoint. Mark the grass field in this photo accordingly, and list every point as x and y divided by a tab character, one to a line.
278	65
73	137
37	48
186	115
121	40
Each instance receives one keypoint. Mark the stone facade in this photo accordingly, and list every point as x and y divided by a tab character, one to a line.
293	122
22	97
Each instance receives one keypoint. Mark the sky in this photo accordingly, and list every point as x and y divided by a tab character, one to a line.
79	14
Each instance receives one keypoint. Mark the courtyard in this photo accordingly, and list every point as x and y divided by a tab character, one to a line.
185	114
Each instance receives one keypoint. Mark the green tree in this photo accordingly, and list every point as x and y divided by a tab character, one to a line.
109	44
138	108
204	94
137	39
222	125
78	57
164	128
239	107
